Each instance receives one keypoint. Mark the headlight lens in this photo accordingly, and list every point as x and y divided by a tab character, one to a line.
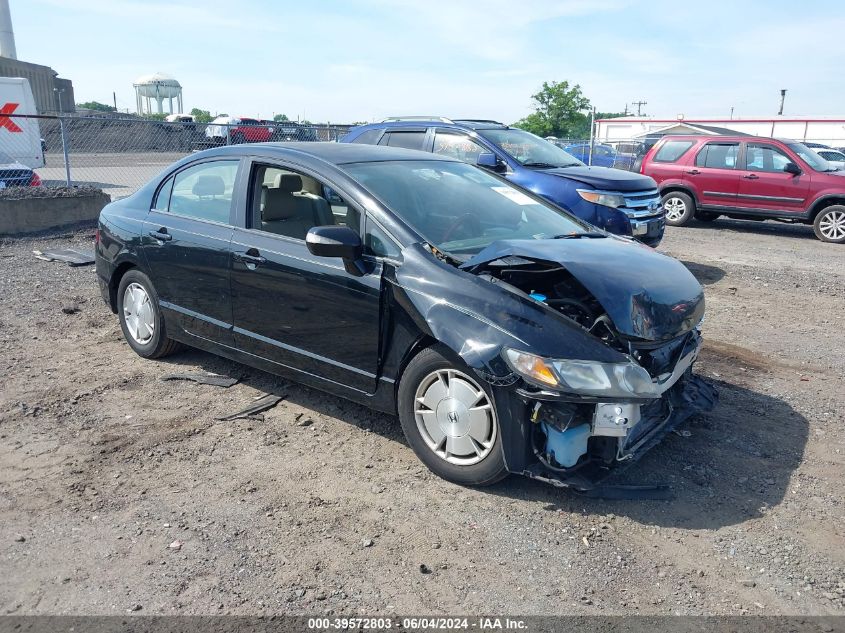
532	367
613	200
615	380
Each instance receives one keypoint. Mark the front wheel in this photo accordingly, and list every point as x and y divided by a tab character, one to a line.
450	421
829	225
678	208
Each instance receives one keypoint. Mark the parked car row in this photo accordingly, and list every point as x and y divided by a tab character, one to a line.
751	178
226	130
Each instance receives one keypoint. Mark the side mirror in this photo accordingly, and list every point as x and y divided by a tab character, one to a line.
792	168
488	160
337	241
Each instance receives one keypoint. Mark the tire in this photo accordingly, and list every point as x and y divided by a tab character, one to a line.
444	390
678	207
707	216
829	225
141	319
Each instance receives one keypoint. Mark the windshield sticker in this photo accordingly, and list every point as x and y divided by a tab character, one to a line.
514	195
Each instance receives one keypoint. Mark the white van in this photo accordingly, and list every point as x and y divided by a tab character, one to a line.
20	138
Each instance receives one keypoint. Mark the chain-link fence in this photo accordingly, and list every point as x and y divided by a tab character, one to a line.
120	154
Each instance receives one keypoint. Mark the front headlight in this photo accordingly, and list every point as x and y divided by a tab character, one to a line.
614	380
612	200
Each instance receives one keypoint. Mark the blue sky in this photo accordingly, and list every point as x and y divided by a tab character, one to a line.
356	60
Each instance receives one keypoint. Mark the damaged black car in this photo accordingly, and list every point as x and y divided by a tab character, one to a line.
507	335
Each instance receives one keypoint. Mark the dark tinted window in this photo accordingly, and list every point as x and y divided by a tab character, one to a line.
378	242
369	137
718	156
408	140
671	151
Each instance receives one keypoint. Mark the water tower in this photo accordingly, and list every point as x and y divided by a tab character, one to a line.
157	87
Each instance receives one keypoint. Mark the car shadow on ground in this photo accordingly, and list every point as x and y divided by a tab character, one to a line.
767	227
722	468
294	393
704	273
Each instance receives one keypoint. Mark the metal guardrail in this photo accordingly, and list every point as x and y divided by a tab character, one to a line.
120	154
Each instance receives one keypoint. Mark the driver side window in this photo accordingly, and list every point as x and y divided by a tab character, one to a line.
760	157
458	146
289	203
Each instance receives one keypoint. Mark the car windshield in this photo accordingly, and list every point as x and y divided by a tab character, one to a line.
530	150
811	158
459	208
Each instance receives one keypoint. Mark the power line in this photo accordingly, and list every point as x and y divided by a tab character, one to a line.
639	105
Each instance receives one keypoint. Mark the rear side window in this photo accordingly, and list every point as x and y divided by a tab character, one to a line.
718	156
370	137
205	191
671	151
408	140
162	201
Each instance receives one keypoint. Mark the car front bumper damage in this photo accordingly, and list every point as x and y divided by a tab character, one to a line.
579	442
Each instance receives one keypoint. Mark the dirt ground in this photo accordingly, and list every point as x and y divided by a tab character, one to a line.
120	492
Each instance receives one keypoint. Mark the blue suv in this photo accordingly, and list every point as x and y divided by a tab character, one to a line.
621	202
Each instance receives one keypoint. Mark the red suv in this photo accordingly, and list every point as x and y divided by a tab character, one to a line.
747	177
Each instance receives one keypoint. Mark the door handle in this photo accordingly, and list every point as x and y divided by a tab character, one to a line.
161	234
693	172
751	177
249	258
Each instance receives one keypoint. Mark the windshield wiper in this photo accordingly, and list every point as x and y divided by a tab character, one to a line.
541	165
572	236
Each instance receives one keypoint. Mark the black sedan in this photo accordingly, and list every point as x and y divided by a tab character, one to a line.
506	334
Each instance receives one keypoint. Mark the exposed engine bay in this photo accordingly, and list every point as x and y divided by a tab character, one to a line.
577	438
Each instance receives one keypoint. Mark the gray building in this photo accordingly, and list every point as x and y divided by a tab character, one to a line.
47	87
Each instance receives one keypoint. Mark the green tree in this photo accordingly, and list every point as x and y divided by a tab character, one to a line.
281	117
201	116
155	116
96	105
559	111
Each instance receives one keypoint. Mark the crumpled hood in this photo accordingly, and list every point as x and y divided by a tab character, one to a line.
605	178
646	295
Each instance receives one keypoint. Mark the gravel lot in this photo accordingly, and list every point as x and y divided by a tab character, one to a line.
119	492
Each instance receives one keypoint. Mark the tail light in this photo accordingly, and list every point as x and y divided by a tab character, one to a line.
35	181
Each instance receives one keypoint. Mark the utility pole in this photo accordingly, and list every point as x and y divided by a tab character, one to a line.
732	113
639	105
782	99
626	109
114	97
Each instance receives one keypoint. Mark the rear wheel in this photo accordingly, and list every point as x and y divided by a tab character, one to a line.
829	225
450	421
678	207
140	317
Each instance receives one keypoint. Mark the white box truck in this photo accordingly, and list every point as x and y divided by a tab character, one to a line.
20	138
